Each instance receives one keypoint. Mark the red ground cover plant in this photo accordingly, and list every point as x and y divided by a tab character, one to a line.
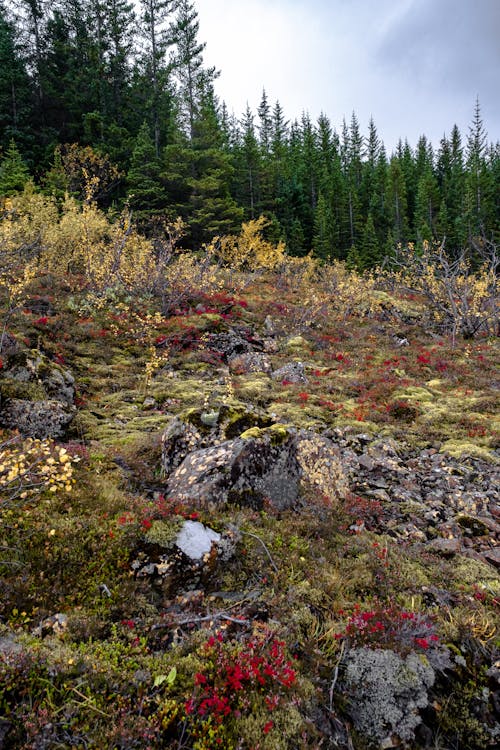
388	627
237	677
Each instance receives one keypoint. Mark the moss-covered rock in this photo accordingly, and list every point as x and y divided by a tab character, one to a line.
460	448
387	692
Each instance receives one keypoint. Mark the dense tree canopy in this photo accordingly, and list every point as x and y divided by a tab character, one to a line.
129	81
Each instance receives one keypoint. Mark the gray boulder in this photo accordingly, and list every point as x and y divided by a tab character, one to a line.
35	368
37	419
293	372
177	554
250	362
36	395
275	465
179	439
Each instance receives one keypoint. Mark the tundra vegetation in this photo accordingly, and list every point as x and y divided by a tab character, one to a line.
249	457
381	570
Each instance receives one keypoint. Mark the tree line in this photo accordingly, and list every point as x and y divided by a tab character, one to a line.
120	93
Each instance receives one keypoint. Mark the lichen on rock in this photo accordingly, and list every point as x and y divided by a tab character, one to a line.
387	692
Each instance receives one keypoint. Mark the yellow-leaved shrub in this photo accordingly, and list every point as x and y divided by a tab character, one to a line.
80	239
461	299
248	250
29	466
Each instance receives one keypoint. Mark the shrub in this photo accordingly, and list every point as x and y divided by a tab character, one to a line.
28	467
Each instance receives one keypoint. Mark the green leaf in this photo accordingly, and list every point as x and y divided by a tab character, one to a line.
168	678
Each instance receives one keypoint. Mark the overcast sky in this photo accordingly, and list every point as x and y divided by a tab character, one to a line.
416	66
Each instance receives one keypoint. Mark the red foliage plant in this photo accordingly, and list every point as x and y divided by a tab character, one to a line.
389	627
234	670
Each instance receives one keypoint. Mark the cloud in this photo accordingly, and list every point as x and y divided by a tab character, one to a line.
452	43
415	65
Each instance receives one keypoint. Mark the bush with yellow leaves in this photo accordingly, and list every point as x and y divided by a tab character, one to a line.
460	299
79	240
249	250
29	467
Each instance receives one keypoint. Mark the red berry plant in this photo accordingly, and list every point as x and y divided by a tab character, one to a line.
389	627
245	682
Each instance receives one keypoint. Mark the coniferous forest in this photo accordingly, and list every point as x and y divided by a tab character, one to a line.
121	91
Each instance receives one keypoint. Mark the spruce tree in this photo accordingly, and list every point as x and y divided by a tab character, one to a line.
15	89
369	252
156	34
479	191
14	173
248	160
396	201
193	78
325	230
146	193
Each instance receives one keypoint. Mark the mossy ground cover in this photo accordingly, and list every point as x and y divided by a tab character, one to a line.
134	664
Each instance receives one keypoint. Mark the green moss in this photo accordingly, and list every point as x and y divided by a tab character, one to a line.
164	532
459	448
473	525
252	433
188	391
297	343
287	728
278	433
414	393
12	388
458	721
256	387
475	573
236	417
361	425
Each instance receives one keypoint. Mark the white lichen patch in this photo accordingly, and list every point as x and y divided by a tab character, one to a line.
195	539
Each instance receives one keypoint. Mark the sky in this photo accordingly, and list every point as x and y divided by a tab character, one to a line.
415	66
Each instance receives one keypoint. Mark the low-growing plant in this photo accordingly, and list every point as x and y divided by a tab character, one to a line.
253	676
388	627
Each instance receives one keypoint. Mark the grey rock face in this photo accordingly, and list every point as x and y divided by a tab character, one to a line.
274	464
293	372
250	362
177	441
37	419
36	396
33	367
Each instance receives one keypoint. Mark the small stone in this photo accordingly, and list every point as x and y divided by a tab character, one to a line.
493	557
446	547
195	539
366	462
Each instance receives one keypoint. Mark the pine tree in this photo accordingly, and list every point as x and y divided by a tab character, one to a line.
479	184
14	173
145	190
369	252
396	201
193	78
120	23
155	22
265	124
325	230
249	167
197	175
15	89
427	205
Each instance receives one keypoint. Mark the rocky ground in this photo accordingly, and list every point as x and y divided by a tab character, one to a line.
280	530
